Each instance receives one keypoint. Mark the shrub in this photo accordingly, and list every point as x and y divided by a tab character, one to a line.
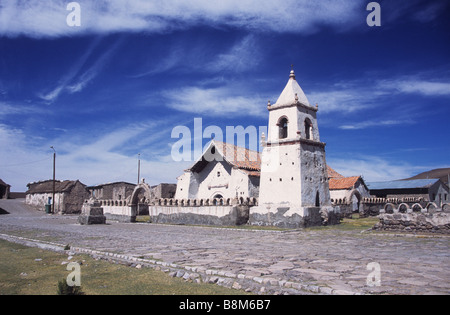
65	289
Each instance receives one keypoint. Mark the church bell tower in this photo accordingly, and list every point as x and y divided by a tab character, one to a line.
294	179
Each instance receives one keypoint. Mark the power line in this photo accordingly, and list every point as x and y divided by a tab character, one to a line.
27	163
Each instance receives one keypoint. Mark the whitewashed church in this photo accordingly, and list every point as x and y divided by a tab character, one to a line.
224	171
289	177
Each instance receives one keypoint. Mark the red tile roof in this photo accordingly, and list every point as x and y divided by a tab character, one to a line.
333	174
240	157
343	182
250	162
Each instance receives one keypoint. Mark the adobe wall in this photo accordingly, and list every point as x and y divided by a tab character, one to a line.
38	201
73	201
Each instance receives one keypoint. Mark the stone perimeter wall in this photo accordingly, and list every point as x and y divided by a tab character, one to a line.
438	222
225	212
204	215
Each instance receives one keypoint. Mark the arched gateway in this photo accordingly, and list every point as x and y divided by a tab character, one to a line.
141	195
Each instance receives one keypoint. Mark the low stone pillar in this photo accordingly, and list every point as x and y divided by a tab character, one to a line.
92	213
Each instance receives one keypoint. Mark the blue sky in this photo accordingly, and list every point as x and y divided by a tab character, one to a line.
121	82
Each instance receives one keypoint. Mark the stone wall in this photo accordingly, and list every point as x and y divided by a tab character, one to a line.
73	201
205	215
375	206
294	218
118	210
185	211
438	222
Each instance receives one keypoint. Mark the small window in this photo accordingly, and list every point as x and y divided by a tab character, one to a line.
218	174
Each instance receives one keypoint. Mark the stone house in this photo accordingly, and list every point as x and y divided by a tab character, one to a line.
431	190
112	191
4	190
163	190
347	192
224	171
69	195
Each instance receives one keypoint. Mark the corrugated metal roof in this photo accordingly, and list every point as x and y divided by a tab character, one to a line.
403	184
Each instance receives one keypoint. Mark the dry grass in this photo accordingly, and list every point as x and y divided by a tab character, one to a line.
32	271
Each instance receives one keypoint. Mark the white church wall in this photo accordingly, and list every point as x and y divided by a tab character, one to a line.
214	179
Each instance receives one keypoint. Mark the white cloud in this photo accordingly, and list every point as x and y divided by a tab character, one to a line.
11	108
344	101
373	168
222	101
375	123
357	95
174	58
48	18
242	56
21	160
107	157
416	86
73	81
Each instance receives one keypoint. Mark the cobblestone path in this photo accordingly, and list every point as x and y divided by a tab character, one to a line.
308	261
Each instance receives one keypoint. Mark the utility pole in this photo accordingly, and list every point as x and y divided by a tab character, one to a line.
54	169
139	167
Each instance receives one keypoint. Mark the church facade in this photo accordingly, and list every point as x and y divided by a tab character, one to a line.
224	171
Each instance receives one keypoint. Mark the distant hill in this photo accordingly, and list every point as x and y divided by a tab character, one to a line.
441	173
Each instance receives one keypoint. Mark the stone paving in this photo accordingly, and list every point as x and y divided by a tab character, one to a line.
271	262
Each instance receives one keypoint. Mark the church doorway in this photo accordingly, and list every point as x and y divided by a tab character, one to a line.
317	200
355	200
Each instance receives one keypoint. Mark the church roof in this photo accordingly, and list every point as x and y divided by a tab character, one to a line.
333	174
242	158
292	93
343	182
